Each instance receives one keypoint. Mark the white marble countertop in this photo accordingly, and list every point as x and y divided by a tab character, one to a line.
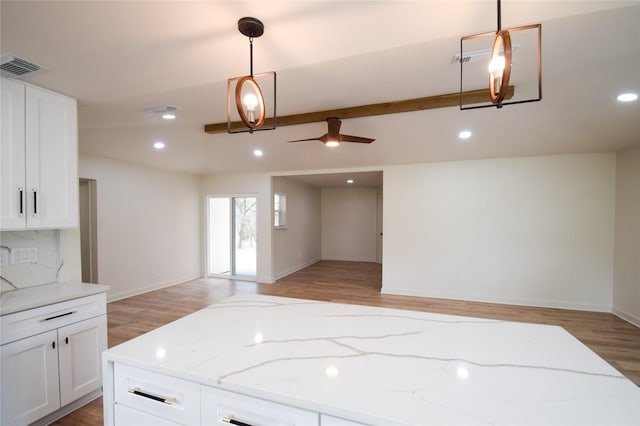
46	294
385	366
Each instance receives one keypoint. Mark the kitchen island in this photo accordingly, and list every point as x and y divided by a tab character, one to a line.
264	360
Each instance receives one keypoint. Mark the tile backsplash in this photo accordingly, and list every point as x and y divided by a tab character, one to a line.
29	258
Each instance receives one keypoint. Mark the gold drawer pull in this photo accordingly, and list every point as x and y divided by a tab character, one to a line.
231	420
168	401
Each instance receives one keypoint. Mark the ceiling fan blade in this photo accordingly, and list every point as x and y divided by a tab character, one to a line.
357	139
305	140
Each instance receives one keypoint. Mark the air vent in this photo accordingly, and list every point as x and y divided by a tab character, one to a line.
15	67
161	109
476	56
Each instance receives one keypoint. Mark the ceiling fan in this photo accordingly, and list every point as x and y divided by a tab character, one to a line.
333	137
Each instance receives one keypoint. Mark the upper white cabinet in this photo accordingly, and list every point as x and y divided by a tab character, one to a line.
39	158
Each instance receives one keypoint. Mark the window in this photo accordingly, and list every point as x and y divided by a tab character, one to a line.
279	210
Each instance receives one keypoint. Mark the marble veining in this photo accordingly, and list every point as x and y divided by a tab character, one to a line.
46	294
388	366
21	275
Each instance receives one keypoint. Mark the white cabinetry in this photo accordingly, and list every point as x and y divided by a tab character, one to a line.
144	398
141	394
336	421
29	379
221	407
51	357
39	158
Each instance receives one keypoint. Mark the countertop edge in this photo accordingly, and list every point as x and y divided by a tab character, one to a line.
46	294
303	404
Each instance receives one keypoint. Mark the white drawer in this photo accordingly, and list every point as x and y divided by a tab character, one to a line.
125	416
172	399
27	323
326	420
218	404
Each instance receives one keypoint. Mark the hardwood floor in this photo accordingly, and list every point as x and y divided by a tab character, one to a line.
615	340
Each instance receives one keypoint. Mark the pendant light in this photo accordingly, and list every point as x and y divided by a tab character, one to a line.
245	96
499	69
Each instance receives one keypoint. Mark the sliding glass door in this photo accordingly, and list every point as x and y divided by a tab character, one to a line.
232	236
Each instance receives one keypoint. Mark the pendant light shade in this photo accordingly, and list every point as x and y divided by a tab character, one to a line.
481	62
251	99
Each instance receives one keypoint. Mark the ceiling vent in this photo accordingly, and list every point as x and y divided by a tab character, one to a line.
161	109
15	67
476	56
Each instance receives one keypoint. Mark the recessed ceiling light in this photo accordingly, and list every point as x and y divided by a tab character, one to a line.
258	152
627	97
465	134
169	116
159	145
350	180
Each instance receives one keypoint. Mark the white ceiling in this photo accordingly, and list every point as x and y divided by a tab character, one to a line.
121	58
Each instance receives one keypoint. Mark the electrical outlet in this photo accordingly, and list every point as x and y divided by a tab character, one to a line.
24	255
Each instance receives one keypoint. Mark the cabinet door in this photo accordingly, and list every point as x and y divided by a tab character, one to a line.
51	159
12	156
29	379
80	357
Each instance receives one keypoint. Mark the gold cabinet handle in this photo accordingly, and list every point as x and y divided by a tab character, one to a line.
21	201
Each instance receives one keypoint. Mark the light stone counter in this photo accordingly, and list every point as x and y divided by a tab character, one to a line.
386	366
46	294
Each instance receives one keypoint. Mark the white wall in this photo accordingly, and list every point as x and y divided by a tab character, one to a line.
534	231
260	186
349	227
626	286
148	226
299	244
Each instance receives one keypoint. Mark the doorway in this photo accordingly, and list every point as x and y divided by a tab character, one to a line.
88	230
231	239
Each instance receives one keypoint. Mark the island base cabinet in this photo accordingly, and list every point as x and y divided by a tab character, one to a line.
143	394
219	404
29	379
125	416
326	420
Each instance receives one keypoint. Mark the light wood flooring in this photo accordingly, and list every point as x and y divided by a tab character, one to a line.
615	340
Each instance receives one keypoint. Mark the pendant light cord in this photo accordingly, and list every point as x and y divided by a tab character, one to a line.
251	56
499	16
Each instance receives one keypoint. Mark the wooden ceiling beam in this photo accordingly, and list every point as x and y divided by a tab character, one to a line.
395	107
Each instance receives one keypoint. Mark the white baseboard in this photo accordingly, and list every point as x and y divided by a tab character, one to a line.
630	318
67	409
352	259
504	301
295	269
157	286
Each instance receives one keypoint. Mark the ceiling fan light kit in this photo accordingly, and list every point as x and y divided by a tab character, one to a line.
500	68
246	96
